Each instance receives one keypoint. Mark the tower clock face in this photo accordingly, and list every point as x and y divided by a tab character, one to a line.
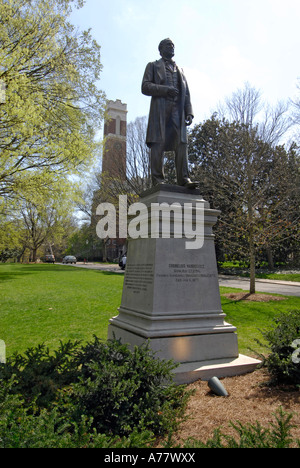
117	146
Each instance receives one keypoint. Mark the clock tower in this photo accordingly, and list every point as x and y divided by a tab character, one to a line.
115	130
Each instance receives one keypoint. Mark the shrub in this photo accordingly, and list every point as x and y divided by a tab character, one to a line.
119	391
39	375
122	389
27	427
281	362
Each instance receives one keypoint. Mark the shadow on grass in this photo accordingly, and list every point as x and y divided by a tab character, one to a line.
18	270
111	273
9	276
48	268
243	297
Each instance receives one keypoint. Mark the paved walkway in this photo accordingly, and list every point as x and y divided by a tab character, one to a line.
98	266
286	288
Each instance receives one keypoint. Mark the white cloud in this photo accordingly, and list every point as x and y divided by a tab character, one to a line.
231	60
203	92
284	8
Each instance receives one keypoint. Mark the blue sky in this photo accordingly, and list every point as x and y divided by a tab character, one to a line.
220	44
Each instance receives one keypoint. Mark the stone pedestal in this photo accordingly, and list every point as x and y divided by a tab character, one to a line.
171	292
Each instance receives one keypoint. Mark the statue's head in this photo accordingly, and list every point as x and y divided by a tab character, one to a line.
166	48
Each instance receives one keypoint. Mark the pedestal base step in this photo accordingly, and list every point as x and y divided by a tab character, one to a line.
189	372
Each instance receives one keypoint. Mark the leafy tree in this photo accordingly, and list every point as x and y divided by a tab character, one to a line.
254	184
296	112
243	107
10	242
40	225
52	106
84	243
43	222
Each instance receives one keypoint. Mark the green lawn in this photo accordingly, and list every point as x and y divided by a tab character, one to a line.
49	303
281	277
251	317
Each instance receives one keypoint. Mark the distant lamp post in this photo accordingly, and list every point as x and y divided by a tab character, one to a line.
87	258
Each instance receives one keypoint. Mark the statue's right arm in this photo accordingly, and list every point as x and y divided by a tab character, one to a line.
149	87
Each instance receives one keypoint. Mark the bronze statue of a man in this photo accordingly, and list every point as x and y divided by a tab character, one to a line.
170	113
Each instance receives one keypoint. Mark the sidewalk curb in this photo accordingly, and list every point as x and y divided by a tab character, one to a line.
261	280
114	267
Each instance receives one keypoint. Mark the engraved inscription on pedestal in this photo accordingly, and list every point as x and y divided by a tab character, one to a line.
186	273
139	277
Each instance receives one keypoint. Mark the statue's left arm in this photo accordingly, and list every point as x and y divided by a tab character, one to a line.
188	109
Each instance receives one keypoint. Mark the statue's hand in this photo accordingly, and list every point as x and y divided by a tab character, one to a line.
189	120
173	91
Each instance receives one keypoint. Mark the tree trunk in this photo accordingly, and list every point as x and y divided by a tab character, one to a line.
251	220
270	258
105	250
34	255
252	261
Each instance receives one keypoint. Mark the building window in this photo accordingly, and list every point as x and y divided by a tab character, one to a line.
118	125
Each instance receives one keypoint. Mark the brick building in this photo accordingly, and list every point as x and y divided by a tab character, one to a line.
115	132
114	160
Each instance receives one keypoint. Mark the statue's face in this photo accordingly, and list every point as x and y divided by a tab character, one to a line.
168	50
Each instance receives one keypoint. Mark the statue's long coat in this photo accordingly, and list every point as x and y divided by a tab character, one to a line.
155	85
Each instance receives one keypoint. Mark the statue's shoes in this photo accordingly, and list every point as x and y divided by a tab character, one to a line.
191	185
